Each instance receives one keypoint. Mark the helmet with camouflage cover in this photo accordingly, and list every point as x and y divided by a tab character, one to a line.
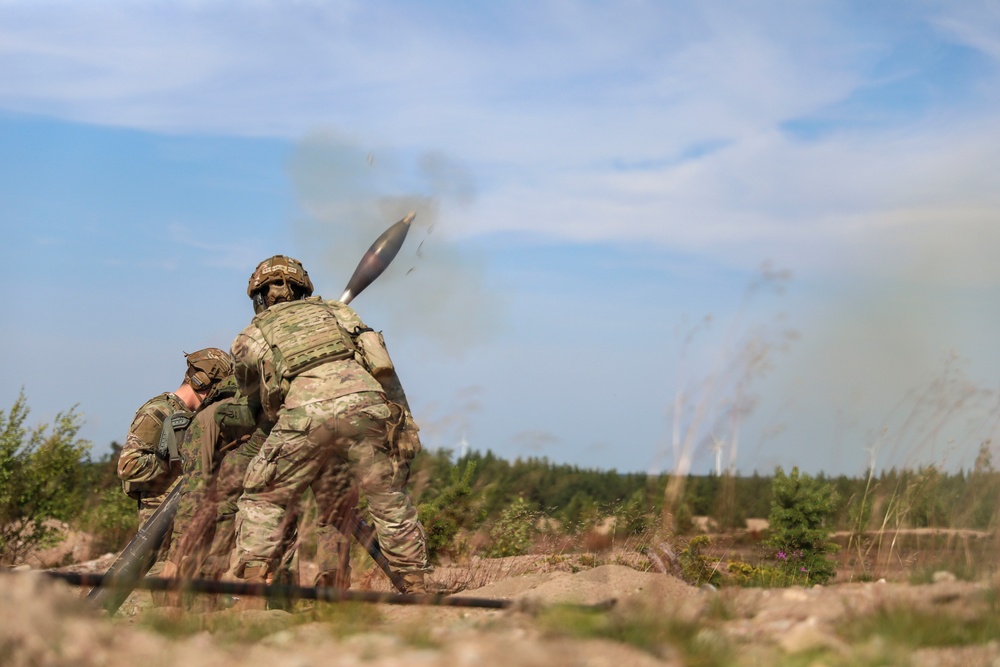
284	276
207	368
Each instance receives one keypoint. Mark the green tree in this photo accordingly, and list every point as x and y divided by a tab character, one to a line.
40	475
514	532
451	510
800	508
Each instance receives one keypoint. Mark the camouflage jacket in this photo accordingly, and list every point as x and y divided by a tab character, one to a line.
140	470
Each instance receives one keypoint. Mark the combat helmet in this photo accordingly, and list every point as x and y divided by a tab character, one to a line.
207	368
274	269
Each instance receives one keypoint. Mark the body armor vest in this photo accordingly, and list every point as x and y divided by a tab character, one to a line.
303	335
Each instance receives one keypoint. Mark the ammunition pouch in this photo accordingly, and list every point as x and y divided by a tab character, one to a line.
235	421
133	489
372	351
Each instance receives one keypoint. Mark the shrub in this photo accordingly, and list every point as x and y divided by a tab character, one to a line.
451	510
40	474
112	520
632	516
514	532
696	567
800	506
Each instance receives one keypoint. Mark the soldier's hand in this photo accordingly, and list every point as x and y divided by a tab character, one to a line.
408	443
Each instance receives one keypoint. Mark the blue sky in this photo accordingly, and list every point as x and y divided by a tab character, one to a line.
646	231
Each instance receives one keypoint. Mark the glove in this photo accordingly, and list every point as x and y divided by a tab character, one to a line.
408	437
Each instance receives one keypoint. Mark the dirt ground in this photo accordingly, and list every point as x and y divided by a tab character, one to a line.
46	622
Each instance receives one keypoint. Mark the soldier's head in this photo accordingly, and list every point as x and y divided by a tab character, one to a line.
207	369
277	279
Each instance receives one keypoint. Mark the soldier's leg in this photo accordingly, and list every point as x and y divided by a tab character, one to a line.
336	501
287	568
286	572
228	489
275	479
400	534
361	437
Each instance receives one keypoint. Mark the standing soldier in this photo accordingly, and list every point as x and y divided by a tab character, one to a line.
219	444
341	421
149	462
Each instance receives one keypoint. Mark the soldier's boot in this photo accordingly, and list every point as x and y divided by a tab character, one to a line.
252	574
414	583
339	579
286	575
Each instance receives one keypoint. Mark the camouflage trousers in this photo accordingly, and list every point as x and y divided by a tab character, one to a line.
205	526
335	448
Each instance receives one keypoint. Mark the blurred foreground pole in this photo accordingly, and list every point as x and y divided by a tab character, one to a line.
325	594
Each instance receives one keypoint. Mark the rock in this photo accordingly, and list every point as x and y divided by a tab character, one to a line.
810	635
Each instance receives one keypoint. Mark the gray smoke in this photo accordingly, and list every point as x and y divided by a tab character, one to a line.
350	194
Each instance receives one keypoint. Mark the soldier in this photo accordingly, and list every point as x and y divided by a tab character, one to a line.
225	431
217	448
149	462
341	421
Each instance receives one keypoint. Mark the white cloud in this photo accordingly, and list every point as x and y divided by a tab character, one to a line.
578	122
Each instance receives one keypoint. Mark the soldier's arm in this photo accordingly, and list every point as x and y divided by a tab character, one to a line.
393	388
245	355
138	461
251	358
373	352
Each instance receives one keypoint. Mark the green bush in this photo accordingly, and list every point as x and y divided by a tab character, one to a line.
800	508
40	478
513	534
447	513
632	517
112	520
696	567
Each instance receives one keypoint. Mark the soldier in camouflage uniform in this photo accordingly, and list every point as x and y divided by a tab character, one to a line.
217	448
224	432
341	422
149	463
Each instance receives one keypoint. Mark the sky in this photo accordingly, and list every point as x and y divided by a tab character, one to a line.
650	236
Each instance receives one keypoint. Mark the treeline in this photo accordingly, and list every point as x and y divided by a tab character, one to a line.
47	473
581	498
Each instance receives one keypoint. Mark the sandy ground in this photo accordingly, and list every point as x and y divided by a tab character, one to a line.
46	622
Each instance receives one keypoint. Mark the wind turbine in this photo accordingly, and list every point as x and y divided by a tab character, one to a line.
717	448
